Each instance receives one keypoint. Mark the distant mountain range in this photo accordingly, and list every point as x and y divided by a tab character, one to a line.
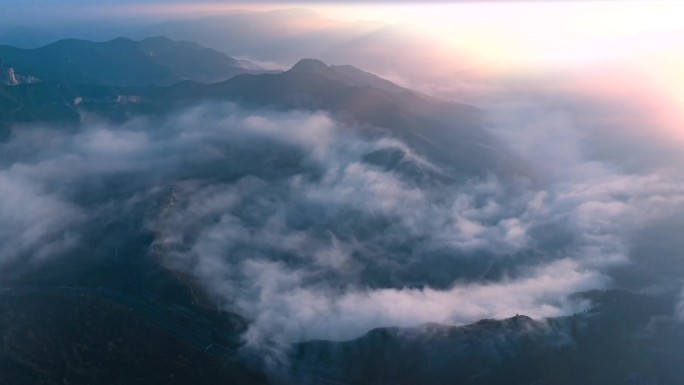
449	133
267	36
121	62
277	39
282	37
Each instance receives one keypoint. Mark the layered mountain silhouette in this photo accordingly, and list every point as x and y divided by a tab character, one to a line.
124	62
298	33
450	133
311	33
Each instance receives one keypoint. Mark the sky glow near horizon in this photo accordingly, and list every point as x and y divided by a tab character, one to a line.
576	28
624	51
636	36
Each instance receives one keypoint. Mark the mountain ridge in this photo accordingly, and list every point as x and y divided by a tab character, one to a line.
609	344
447	132
125	62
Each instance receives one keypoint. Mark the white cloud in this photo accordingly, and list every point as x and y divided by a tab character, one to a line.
336	248
35	224
282	218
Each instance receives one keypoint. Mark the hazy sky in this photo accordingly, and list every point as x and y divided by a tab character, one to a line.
638	40
560	30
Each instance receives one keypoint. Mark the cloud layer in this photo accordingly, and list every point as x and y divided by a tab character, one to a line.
314	230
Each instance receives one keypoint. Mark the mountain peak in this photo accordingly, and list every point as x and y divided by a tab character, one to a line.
310	65
346	74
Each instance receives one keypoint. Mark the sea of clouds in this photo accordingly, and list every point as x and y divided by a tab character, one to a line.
312	229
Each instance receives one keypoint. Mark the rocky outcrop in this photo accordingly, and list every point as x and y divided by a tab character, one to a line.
9	77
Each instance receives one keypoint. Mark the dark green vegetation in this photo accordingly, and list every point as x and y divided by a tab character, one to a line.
56	336
75	336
